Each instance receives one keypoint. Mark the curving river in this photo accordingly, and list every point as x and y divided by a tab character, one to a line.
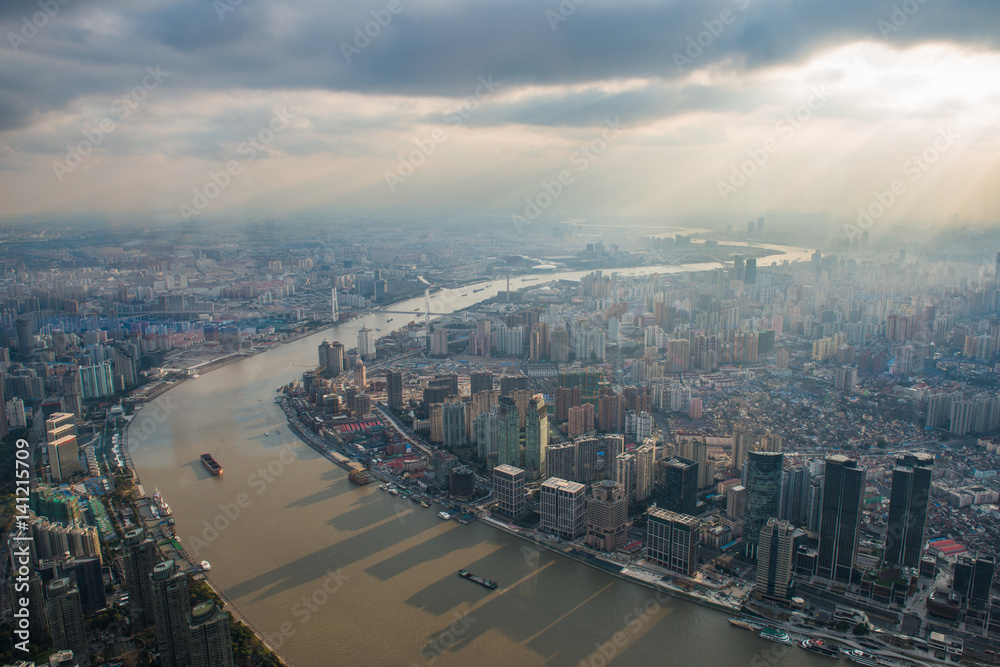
337	574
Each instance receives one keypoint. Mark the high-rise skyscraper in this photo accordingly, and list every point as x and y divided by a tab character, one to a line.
742	442
581	419
453	422
962	580
366	343
323	354
360	375
509	383
610	410
508	485
25	336
335	358
482	401
211	645
171	606
536	436
508	432
563	508
31	596
770	443
521	397
65	620
983	572
139	557
480	381
64	457
814	503
774	560
96	381
394	389
439	342
672	540
586	459
560	461
694	448
614	445
645	469
736	501
86	575
444	463
625	467
763	495
4	422
676	485
911	486
607	515
486	433
840	518
795	495
566	398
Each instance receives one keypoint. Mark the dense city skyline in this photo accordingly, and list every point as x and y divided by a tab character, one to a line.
529	332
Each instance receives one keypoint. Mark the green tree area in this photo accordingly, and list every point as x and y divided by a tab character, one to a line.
248	650
100	622
124	487
36	654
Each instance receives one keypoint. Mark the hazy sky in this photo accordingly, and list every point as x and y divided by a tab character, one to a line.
712	110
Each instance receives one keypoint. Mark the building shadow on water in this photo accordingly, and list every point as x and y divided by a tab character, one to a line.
431	549
362	514
328	493
542	608
310	568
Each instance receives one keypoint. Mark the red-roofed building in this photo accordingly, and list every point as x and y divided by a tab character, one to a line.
948	548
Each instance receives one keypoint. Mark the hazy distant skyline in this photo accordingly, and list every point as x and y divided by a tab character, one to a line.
829	102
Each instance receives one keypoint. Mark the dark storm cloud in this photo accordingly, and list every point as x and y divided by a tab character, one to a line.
440	48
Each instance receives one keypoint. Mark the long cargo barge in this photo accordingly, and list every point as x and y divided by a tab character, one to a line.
488	583
213	466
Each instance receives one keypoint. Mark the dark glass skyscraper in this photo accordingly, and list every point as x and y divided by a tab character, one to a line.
911	487
211	645
676	485
763	495
394	388
481	381
962	581
795	495
508	432
89	580
982	579
840	518
171	606
139	557
65	617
